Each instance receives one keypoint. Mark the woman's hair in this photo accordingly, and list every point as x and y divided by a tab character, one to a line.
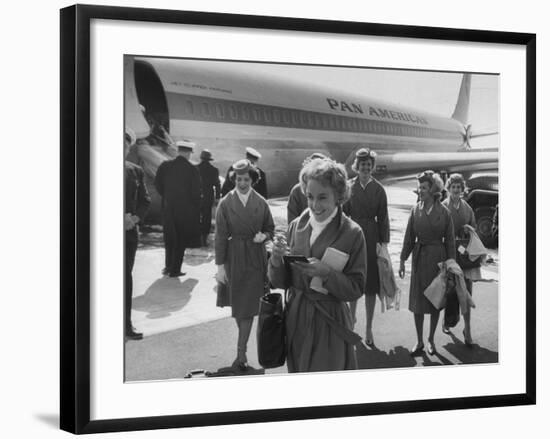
435	182
363	154
328	173
243	167
455	179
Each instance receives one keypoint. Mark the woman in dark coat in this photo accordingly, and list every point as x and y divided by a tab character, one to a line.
430	238
462	215
318	323
368	207
243	224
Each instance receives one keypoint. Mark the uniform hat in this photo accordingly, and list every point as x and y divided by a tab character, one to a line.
253	153
206	155
129	132
242	166
364	154
185	145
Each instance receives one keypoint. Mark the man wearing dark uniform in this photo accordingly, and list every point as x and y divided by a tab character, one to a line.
210	179
136	203
179	184
259	186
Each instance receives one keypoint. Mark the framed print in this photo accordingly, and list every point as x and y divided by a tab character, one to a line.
274	218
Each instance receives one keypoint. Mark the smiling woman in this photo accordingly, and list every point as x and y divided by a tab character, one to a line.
319	326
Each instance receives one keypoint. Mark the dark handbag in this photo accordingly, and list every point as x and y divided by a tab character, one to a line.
452	309
463	259
271	334
223	298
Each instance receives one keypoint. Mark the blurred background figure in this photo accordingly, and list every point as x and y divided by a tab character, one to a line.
210	183
243	225
297	201
136	203
179	184
368	207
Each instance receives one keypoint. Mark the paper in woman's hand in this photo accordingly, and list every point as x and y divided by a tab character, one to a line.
336	260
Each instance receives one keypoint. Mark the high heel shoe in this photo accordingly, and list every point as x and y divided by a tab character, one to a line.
467	340
417	350
431	348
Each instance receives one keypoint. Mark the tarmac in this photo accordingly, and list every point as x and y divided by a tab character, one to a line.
184	331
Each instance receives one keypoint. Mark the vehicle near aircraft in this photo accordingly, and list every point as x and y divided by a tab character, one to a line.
225	107
482	196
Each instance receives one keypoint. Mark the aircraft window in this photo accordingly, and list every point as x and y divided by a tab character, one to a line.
318	121
276	116
206	109
233	113
245	111
256	112
219	111
286	117
295	118
267	114
189	107
303	119
331	122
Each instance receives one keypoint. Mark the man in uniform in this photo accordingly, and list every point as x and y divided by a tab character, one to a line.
260	186
136	203
210	179
179	184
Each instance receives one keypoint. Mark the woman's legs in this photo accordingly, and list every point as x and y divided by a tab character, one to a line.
434	318
419	325
370	304
467	328
245	327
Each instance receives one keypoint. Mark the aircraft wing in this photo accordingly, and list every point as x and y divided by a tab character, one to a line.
414	162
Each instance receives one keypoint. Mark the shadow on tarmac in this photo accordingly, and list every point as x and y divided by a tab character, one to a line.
235	371
470	354
374	358
164	297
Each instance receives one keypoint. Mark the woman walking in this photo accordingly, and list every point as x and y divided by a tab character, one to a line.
430	238
368	207
462	215
243	224
318	324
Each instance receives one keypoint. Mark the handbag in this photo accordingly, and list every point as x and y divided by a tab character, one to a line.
271	334
223	298
463	259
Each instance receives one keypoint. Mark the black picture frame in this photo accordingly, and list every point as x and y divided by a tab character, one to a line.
75	217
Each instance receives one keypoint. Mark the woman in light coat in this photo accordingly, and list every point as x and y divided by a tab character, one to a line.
243	224
318	324
430	238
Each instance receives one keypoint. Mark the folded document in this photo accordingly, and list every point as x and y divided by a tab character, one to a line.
336	260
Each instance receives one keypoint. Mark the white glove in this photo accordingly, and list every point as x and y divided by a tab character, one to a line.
259	237
221	276
129	223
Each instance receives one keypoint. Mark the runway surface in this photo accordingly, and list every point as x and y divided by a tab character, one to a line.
184	330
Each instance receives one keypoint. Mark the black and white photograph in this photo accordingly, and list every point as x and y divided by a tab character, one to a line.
299	218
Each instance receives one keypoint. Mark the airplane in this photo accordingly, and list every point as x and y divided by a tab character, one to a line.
226	107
